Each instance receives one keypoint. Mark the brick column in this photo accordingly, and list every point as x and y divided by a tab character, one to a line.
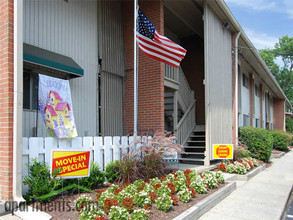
279	114
6	98
251	98
261	105
150	75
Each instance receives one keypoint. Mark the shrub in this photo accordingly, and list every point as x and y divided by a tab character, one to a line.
259	142
210	179
128	204
281	140
153	164
164	203
82	202
142	198
109	203
139	214
184	195
289	124
240	153
95	178
39	180
129	168
118	213
112	171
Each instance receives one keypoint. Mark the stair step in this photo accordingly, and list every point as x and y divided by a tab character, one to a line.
192	153
197	135
199	132
191	159
194	147
196	142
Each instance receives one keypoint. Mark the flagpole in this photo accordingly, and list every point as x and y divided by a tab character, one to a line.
135	73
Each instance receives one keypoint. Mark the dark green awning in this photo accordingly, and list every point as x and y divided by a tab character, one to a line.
52	60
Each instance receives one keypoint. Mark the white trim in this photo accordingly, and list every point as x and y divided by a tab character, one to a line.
18	100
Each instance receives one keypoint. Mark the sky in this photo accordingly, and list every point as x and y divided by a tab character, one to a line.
264	21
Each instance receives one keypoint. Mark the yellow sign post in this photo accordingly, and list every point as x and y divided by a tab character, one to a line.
223	151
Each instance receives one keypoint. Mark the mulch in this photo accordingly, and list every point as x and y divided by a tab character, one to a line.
63	207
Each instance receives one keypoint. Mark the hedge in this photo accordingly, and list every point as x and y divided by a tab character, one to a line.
259	142
281	140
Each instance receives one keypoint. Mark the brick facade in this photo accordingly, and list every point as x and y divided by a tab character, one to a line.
6	98
151	72
279	114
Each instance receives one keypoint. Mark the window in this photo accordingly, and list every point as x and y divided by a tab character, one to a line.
257	123
246	120
30	91
256	91
245	81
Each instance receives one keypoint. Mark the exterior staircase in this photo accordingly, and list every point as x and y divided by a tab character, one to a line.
169	110
194	148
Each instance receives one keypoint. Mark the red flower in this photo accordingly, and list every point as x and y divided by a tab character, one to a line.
187	182
117	191
128	204
222	167
153	196
174	173
100	218
125	185
174	199
109	203
147	207
171	186
157	186
142	186
193	192
163	178
201	175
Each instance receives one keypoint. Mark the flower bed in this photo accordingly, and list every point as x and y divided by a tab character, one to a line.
240	166
163	198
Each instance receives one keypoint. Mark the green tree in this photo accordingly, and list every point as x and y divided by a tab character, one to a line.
283	73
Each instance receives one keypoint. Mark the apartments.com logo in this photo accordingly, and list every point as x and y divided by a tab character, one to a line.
52	206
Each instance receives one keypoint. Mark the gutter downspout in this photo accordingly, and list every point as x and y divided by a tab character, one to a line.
18	100
236	84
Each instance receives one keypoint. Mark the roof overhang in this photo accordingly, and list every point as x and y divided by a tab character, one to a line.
249	52
51	60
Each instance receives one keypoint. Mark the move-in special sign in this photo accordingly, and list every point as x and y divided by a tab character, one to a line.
223	151
72	163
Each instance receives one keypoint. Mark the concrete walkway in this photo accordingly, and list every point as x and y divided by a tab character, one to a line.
263	197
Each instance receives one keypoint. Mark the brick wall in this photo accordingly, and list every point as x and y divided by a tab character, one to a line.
6	98
151	72
279	114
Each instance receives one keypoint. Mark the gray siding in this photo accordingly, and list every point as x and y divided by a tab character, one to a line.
218	79
69	29
111	104
111	51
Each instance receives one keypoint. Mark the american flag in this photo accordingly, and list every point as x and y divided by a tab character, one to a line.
155	45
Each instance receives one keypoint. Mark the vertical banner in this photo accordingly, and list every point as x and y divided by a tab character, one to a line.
56	107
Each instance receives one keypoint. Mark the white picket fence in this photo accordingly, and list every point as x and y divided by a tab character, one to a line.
104	149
